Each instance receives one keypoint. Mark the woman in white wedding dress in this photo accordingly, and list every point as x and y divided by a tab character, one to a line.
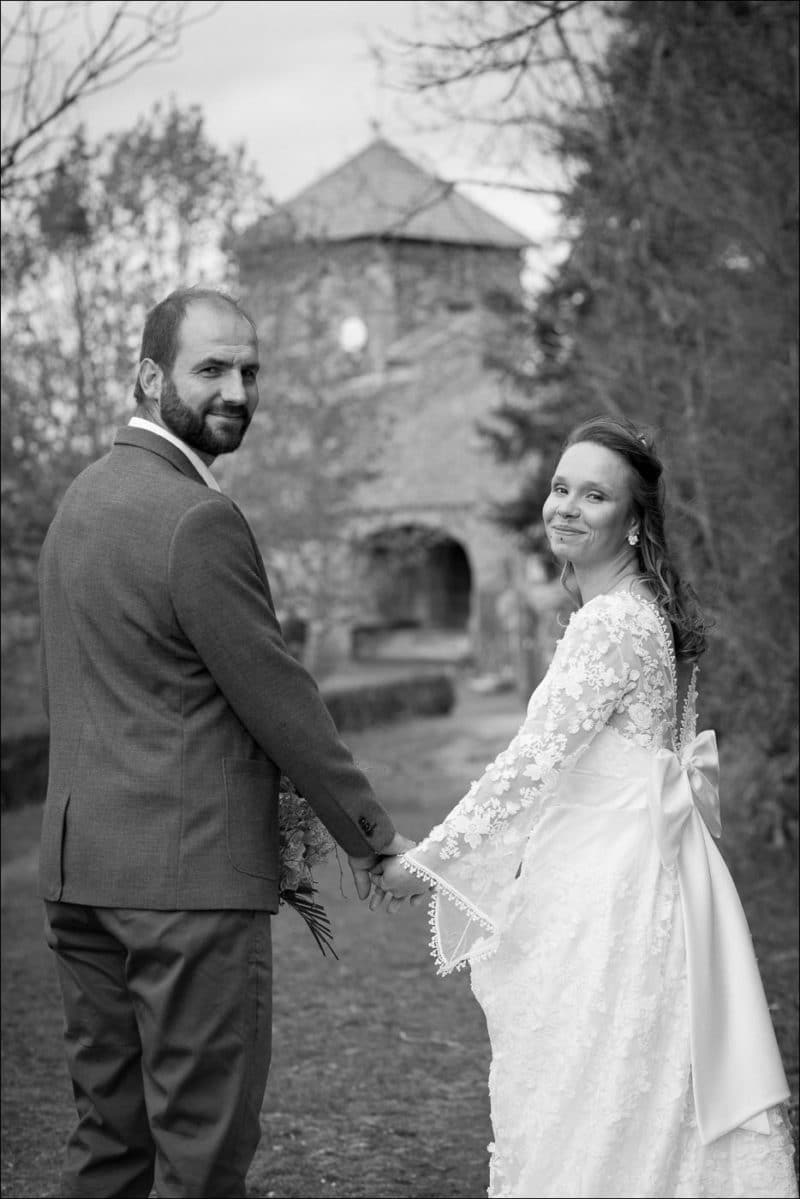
632	1048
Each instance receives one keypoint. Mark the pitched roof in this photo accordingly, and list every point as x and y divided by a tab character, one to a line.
381	193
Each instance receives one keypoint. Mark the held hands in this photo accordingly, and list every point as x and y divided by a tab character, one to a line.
393	884
385	881
362	867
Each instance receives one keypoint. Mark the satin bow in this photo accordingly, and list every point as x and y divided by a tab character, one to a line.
681	785
736	1067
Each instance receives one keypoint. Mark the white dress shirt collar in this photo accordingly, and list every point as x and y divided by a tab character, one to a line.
199	465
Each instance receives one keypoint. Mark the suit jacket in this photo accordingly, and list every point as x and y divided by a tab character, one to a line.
173	702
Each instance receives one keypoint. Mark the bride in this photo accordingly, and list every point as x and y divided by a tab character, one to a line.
632	1048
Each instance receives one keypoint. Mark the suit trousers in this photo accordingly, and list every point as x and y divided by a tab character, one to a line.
168	1037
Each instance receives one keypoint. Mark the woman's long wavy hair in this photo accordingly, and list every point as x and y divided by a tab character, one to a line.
675	598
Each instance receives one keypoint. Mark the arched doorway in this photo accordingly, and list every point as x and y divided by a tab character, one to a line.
418	591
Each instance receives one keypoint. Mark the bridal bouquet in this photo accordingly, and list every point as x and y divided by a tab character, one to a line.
304	843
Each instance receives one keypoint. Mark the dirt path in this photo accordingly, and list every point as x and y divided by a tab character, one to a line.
378	1078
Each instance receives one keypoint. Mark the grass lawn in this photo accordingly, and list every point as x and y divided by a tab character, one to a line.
378	1085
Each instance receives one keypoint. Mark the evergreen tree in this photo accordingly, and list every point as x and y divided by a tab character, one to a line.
676	307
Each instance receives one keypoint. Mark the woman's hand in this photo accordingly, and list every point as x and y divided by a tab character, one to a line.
363	867
393	884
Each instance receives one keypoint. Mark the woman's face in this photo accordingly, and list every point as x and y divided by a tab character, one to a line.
589	511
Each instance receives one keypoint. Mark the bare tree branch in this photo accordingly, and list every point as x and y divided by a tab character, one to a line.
54	55
558	193
471	49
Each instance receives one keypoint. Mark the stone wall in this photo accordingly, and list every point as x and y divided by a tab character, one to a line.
432	312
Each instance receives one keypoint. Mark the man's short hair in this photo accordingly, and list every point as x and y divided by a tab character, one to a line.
163	322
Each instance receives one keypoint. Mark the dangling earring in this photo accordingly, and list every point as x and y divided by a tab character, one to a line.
633	537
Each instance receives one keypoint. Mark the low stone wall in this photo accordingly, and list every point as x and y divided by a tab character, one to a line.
362	703
354	704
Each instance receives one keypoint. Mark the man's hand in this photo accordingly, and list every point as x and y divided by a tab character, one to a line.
362	867
361	873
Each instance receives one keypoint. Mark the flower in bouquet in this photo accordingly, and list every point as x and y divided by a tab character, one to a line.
304	843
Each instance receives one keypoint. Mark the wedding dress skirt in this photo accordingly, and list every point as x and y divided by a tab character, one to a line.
586	1004
633	1052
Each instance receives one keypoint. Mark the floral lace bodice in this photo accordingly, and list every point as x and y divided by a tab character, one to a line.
614	669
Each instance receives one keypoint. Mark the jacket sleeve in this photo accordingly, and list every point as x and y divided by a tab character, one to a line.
473	856
221	599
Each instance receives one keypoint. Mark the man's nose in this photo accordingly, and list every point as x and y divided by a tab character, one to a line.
233	389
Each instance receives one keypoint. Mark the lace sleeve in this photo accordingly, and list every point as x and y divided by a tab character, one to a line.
474	855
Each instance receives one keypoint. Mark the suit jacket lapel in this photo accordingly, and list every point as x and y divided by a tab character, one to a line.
143	439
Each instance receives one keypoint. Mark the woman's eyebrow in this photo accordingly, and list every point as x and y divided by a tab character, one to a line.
587	484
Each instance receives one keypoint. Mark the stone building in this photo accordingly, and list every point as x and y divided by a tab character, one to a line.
393	290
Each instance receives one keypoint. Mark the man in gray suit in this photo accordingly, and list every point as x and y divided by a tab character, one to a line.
174	706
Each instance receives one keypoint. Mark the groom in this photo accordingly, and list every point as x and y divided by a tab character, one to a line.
174	707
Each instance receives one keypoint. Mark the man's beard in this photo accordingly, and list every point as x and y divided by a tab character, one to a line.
191	426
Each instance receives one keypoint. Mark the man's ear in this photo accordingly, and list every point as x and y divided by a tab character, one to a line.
151	378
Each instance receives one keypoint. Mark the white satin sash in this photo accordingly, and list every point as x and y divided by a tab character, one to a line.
736	1065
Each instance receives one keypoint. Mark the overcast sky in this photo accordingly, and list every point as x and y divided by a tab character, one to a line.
297	83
